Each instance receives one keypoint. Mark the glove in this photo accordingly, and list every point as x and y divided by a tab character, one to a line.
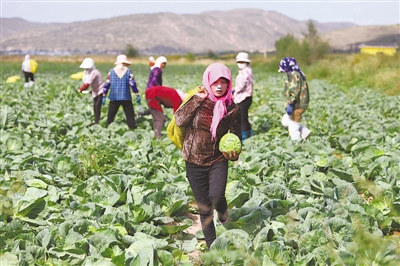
103	101
289	109
138	99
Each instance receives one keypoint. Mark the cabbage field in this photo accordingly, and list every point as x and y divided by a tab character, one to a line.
76	194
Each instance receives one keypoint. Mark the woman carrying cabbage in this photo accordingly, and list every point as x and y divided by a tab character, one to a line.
207	117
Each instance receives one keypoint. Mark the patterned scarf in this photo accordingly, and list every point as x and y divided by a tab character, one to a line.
289	64
212	73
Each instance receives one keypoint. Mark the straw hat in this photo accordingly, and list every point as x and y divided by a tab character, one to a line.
242	57
122	59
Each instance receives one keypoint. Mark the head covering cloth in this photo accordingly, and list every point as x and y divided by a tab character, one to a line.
159	61
212	73
289	64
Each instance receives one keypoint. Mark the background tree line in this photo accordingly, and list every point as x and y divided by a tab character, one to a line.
307	50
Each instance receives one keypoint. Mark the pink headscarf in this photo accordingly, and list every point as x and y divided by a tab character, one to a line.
212	73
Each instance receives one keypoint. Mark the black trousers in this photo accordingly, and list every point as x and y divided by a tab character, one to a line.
97	108
208	184
128	110
244	111
28	75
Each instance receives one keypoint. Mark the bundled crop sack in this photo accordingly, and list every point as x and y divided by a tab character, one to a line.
177	134
230	142
33	65
77	76
12	79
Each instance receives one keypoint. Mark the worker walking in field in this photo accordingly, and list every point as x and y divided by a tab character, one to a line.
119	81
207	117
93	79
243	92
28	69
297	96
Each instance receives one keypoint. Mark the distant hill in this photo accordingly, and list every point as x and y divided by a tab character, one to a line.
14	26
250	30
351	38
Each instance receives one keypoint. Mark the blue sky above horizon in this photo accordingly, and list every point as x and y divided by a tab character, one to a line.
362	13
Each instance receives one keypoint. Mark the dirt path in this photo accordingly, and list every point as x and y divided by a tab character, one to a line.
195	255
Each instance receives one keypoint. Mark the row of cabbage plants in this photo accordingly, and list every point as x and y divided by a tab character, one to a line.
75	194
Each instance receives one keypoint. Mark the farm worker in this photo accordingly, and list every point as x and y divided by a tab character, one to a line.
208	116
243	92
296	98
93	79
119	80
160	95
155	76
28	72
152	61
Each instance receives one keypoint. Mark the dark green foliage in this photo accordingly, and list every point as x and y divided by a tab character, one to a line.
307	50
131	51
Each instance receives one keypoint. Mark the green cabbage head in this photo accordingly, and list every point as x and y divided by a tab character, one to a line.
230	142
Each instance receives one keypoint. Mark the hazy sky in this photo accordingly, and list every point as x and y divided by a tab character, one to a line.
378	12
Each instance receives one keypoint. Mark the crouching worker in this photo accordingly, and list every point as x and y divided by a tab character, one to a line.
161	95
296	98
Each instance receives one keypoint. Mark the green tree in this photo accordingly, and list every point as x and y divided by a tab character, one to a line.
312	31
306	51
287	46
314	45
211	54
131	51
190	57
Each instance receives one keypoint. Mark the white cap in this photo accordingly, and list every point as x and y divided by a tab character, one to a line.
87	63
242	57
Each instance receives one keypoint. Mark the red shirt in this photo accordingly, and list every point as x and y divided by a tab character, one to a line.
166	96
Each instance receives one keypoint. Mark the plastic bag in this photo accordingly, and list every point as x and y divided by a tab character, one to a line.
33	65
12	79
77	76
